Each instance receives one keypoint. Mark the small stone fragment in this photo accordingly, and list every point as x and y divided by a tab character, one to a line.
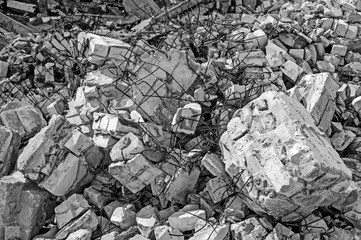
126	148
124	217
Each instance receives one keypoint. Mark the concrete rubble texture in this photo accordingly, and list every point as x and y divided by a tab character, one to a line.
180	119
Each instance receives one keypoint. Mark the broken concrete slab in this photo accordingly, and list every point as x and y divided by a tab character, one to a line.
38	165
240	132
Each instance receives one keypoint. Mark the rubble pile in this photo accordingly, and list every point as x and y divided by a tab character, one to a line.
180	120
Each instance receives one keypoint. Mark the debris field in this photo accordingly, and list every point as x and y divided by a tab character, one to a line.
174	120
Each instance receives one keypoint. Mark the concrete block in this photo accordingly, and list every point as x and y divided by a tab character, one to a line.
319	92
214	164
94	197
273	48
63	177
297	53
135	174
126	148
275	59
10	191
256	39
342	29
56	108
333	59
181	185
292	71
11	120
248	58
69	209
109	208
248	18
217	189
340	50
78	143
104	141
23	118
187	118
324	66
154	135
341	140
88	220
124	217
102	48
111	124
236	208
9	146
321	105
33	203
186	221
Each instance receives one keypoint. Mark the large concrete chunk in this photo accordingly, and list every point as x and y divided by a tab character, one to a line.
9	145
33	204
48	161
102	48
23	118
281	157
318	92
134	174
10	190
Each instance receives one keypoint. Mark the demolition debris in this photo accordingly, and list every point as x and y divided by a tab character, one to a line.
192	119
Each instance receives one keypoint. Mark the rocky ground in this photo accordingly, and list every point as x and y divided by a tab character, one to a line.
172	120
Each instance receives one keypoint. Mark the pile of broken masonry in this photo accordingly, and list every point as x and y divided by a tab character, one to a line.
216	124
